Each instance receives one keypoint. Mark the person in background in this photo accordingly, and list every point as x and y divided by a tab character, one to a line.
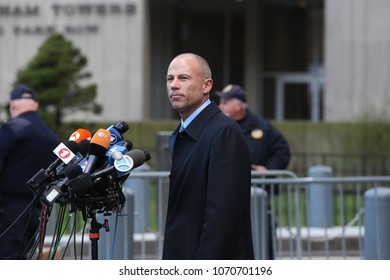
26	146
208	214
268	148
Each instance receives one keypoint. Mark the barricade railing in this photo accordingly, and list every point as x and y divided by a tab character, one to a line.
161	182
296	238
294	235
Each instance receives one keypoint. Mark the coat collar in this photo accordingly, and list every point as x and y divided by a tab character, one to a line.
196	126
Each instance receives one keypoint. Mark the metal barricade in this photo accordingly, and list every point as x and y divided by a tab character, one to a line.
293	237
296	239
263	220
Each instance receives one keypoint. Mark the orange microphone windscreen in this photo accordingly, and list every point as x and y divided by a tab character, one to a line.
79	135
102	138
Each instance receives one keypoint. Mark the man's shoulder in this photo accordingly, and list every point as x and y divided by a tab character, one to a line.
257	120
32	123
213	116
16	124
221	120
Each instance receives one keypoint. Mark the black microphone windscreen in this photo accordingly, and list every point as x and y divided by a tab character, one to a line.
81	184
129	144
147	155
97	150
73	170
122	127
84	147
137	156
73	146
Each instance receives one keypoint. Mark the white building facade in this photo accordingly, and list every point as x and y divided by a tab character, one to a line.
319	60
109	33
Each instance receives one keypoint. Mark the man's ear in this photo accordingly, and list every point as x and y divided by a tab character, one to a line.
208	85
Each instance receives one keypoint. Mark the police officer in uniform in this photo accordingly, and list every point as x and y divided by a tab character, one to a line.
26	146
268	148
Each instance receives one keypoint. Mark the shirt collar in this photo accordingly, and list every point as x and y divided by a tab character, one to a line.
191	117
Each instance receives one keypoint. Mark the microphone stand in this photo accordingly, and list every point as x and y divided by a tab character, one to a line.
94	234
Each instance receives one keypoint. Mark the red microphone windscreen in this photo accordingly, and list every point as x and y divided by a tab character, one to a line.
80	134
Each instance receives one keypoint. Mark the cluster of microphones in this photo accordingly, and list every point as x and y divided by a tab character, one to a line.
90	170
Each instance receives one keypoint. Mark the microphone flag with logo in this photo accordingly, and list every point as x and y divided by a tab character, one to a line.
97	148
117	131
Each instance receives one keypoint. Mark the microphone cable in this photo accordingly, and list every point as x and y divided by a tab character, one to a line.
42	231
82	238
37	240
28	207
54	242
11	225
39	234
75	236
60	230
114	238
72	232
